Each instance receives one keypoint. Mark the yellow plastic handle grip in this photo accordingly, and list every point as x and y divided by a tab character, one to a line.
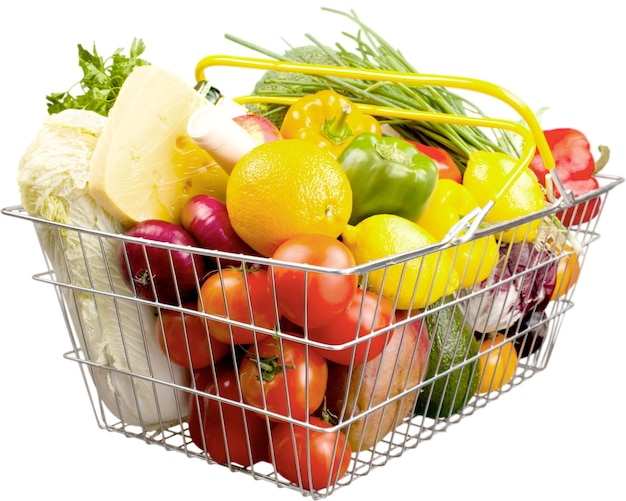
532	134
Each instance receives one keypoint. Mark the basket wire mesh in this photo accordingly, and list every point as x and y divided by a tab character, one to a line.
149	397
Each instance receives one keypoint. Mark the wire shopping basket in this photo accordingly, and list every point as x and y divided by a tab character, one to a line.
432	365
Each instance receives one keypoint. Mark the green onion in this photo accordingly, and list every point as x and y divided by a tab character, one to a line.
373	52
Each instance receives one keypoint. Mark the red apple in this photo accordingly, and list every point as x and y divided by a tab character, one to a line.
260	128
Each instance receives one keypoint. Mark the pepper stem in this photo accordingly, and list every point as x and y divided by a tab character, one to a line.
392	152
603	159
337	129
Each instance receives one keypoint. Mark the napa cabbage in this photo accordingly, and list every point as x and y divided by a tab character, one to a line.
114	333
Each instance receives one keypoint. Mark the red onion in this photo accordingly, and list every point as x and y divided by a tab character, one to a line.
206	219
156	273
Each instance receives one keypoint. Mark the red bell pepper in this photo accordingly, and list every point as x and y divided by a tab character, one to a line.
448	169
576	168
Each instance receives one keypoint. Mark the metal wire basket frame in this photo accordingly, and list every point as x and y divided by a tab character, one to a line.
409	429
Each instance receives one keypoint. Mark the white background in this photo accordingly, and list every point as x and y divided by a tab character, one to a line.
558	436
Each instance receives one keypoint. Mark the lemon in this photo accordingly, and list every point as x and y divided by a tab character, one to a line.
286	188
411	283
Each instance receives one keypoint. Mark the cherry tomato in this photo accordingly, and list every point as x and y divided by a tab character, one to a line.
567	271
283	376
233	434
233	294
497	366
367	313
298	449
326	295
185	339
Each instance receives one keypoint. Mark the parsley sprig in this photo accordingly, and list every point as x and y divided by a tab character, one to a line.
101	82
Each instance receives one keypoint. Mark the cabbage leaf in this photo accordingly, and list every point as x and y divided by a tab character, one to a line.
113	332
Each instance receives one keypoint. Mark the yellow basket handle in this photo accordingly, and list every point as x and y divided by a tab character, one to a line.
532	135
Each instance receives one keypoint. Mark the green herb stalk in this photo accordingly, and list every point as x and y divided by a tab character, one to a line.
373	52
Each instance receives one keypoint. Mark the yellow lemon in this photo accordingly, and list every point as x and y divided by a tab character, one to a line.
485	175
408	283
473	260
285	188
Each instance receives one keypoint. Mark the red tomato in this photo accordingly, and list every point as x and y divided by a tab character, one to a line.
297	449
326	295
232	294
197	404
185	339
233	434
291	381
367	313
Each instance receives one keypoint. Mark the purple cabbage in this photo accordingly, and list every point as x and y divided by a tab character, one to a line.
521	282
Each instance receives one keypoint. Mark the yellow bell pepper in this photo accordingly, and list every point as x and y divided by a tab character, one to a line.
485	176
328	119
450	202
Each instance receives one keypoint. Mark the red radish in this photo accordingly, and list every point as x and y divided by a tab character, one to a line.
170	276
206	219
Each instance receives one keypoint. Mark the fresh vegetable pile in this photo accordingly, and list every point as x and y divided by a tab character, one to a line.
260	267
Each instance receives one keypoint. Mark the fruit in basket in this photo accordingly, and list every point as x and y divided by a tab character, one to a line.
567	272
327	119
184	338
285	188
355	390
261	129
452	344
283	376
367	314
388	175
145	166
498	364
157	273
237	295
206	218
411	283
231	434
326	295
486	175
473	260
300	449
196	404
576	168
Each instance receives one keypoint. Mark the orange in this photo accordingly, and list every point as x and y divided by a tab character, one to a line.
285	188
498	364
568	269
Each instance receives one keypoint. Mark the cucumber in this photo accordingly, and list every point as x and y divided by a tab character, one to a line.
452	344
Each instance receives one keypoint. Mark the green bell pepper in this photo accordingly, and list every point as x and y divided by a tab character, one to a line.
388	175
